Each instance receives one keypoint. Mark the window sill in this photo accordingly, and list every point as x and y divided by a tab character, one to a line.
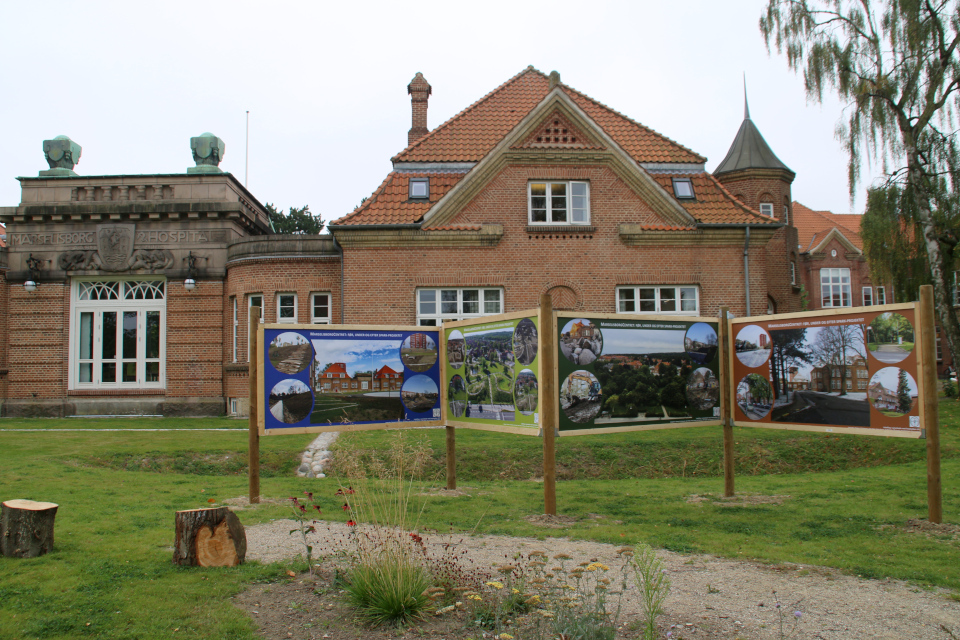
237	367
560	228
117	392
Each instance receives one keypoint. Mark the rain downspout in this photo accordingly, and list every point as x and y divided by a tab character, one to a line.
746	268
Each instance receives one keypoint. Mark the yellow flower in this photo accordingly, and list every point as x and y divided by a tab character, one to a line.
494	584
534	599
593	566
514	591
505	636
545	614
474	597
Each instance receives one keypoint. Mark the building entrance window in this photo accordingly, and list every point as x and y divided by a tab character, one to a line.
118	334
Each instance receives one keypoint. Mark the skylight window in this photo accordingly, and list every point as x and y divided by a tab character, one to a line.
420	188
683	188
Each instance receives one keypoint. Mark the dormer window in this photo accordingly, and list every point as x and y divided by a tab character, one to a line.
683	188
559	202
766	209
419	188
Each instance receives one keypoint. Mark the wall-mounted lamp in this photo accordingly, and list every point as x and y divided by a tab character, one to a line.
191	282
33	265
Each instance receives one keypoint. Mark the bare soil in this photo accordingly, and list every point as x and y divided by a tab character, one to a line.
710	598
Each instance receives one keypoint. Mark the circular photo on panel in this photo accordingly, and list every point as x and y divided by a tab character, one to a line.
581	341
700	342
419	393
753	346
703	389
290	353
290	401
754	396
419	352
456	349
525	393
893	392
457	396
580	396
890	338
525	341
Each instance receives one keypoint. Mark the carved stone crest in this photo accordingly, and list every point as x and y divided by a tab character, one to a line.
115	245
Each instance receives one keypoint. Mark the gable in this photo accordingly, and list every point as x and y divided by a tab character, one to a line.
556	132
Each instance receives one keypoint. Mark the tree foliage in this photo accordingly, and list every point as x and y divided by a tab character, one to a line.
298	221
896	65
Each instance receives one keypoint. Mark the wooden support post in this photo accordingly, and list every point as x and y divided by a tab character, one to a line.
253	465
451	458
726	413
209	538
548	402
931	409
26	528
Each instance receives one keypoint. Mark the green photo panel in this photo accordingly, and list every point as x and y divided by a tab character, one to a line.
630	373
493	375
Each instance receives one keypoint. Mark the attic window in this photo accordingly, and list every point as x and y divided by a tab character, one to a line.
766	208
683	188
419	188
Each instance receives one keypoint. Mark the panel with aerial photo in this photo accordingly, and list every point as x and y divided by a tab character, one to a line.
623	373
457	396
490	364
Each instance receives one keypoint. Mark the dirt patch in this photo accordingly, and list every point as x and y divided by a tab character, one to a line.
552	522
738	500
929	529
448	493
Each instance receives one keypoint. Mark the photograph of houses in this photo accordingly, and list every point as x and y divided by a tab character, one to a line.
290	401
752	345
581	341
820	375
419	352
525	341
701	342
890	338
644	374
893	392
580	396
456	349
754	396
290	353
703	389
357	380
526	392
457	396
420	393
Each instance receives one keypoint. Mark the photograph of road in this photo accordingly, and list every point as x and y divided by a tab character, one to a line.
580	396
820	375
525	392
703	389
581	341
290	401
643	374
489	367
890	338
752	346
754	396
456	349
893	392
419	393
701	343
290	353
457	396
494	412
525	341
419	352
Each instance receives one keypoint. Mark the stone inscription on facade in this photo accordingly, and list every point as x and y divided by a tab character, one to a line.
90	237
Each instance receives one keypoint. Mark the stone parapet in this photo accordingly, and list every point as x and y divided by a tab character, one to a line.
282	246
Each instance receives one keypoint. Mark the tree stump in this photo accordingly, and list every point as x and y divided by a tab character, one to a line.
26	528
209	538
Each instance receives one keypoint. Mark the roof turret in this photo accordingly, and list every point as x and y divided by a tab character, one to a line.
749	150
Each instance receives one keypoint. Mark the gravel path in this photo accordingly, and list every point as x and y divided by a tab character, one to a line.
710	597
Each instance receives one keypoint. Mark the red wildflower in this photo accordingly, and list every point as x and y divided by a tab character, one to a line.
308	494
317	507
345	507
350	490
351	523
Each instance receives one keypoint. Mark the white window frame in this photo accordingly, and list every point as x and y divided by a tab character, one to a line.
637	299
118	305
786	214
236	326
830	290
868	296
882	296
320	319
280	309
436	304
766	209
793	272
568	210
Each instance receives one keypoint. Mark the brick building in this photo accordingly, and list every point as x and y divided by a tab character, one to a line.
139	287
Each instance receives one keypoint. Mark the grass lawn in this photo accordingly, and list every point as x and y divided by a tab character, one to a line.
111	575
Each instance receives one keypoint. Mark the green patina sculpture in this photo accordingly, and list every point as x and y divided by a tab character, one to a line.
208	151
62	155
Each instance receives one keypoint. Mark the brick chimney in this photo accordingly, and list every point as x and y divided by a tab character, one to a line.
419	90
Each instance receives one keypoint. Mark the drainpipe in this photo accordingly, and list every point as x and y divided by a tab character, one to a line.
746	268
340	249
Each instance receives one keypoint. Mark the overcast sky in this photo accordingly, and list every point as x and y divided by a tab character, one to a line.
325	84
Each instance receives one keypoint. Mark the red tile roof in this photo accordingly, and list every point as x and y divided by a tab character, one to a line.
336	368
391	203
813	226
713	204
385	372
472	133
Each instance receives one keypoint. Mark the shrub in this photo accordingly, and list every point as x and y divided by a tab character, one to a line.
389	588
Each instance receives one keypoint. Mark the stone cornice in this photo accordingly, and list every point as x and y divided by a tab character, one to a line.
635	235
488	235
752	174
